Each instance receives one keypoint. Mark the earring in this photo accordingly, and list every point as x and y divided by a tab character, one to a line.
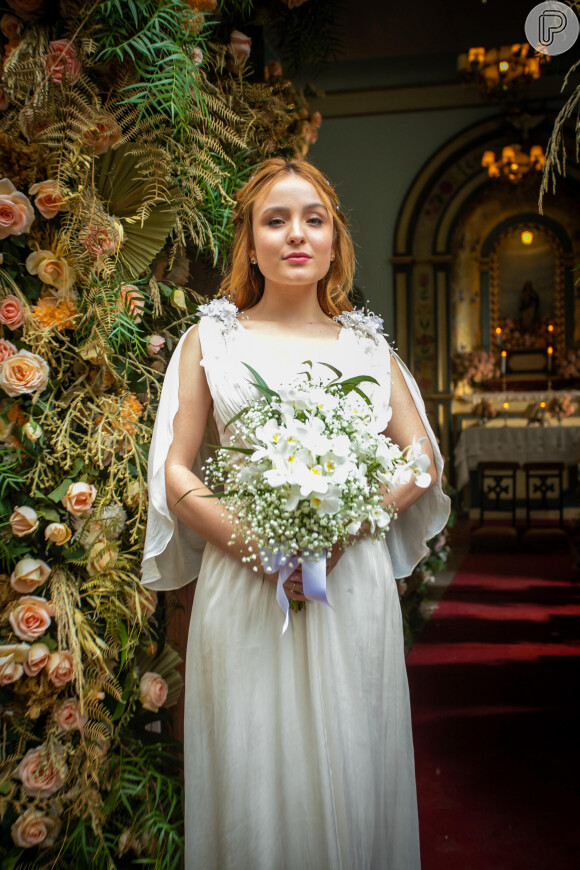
332	256
253	261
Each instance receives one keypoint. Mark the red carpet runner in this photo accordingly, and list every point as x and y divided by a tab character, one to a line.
495	695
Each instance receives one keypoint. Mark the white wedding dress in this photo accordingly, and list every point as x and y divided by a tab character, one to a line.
298	749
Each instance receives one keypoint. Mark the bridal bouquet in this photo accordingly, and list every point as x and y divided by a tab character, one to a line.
304	471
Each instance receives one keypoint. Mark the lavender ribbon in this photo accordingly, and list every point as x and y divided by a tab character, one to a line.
313	578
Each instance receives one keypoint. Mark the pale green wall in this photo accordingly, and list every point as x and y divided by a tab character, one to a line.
372	161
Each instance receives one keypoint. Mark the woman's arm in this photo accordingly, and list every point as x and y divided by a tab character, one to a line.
406	424
206	516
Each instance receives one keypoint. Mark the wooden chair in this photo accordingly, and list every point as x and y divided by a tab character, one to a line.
544	492
497	494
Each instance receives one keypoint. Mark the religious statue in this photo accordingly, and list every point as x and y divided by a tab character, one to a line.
528	306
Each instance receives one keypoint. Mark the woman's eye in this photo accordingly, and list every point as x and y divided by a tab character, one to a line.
275	222
315	220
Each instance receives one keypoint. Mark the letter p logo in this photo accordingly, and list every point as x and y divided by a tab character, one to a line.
552	27
551	23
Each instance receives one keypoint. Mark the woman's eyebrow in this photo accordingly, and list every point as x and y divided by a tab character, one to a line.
286	209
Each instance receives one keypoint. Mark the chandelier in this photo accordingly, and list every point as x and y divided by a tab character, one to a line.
500	71
514	162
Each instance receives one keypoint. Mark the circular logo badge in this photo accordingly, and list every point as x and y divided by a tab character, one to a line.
552	27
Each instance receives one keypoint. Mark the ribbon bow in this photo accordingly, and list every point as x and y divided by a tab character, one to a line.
313	577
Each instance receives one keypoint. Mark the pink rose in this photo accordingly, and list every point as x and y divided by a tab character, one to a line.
62	62
48	200
28	574
31	617
34	828
24	372
58	533
197	56
241	45
10	670
4	100
68	716
24	521
154	344
79	498
37	659
16	212
10	25
104	135
42	774
6	349
152	691
132	301
11	312
26	8
60	667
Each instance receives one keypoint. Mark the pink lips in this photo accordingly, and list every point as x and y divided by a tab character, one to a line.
298	257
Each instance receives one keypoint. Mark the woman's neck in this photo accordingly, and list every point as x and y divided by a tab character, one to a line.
291	305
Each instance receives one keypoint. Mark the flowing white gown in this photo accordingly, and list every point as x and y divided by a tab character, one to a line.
298	750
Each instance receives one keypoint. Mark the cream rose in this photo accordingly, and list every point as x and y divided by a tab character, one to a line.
58	533
36	659
68	716
60	668
79	498
31	617
16	212
48	199
11	312
10	25
51	270
6	349
132	301
28	574
10	670
152	691
101	554
32	430
18	650
40	774
34	828
154	344
24	372
24	521
241	45
62	62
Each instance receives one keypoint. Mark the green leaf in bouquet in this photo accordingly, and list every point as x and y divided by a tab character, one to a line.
261	384
236	417
332	368
49	513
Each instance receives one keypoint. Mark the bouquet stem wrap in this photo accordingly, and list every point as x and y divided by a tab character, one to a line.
313	578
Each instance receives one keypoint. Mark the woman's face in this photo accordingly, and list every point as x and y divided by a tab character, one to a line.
292	233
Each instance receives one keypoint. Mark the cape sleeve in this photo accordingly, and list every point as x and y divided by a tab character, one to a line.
408	534
173	552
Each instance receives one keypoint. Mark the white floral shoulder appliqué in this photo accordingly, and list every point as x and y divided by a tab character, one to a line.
223	311
364	325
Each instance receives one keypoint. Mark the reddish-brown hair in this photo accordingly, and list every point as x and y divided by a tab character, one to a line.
244	283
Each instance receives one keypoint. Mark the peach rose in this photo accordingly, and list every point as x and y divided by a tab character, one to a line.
51	270
316	119
79	498
154	344
6	349
16	212
105	134
152	691
11	312
24	521
10	25
132	301
31	617
32	430
34	828
104	238
62	62
4	100
101	554
26	8
24	372
36	659
48	200
60	667
10	671
68	716
40	774
58	533
241	45
28	574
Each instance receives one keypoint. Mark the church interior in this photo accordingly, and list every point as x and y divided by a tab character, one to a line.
453	145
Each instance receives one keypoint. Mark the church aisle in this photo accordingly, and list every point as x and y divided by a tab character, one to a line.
493	683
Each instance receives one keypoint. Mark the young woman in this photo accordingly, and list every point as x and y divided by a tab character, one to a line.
298	749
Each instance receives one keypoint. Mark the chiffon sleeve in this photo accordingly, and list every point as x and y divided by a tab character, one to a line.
408	534
173	552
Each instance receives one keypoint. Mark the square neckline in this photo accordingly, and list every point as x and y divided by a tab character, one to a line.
332	346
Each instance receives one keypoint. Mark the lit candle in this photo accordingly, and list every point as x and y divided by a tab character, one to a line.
550	328
506	406
498	334
503	361
550	358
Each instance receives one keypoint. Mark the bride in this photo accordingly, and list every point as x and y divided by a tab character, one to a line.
298	749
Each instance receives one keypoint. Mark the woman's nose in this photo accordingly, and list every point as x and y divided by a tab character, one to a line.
295	231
